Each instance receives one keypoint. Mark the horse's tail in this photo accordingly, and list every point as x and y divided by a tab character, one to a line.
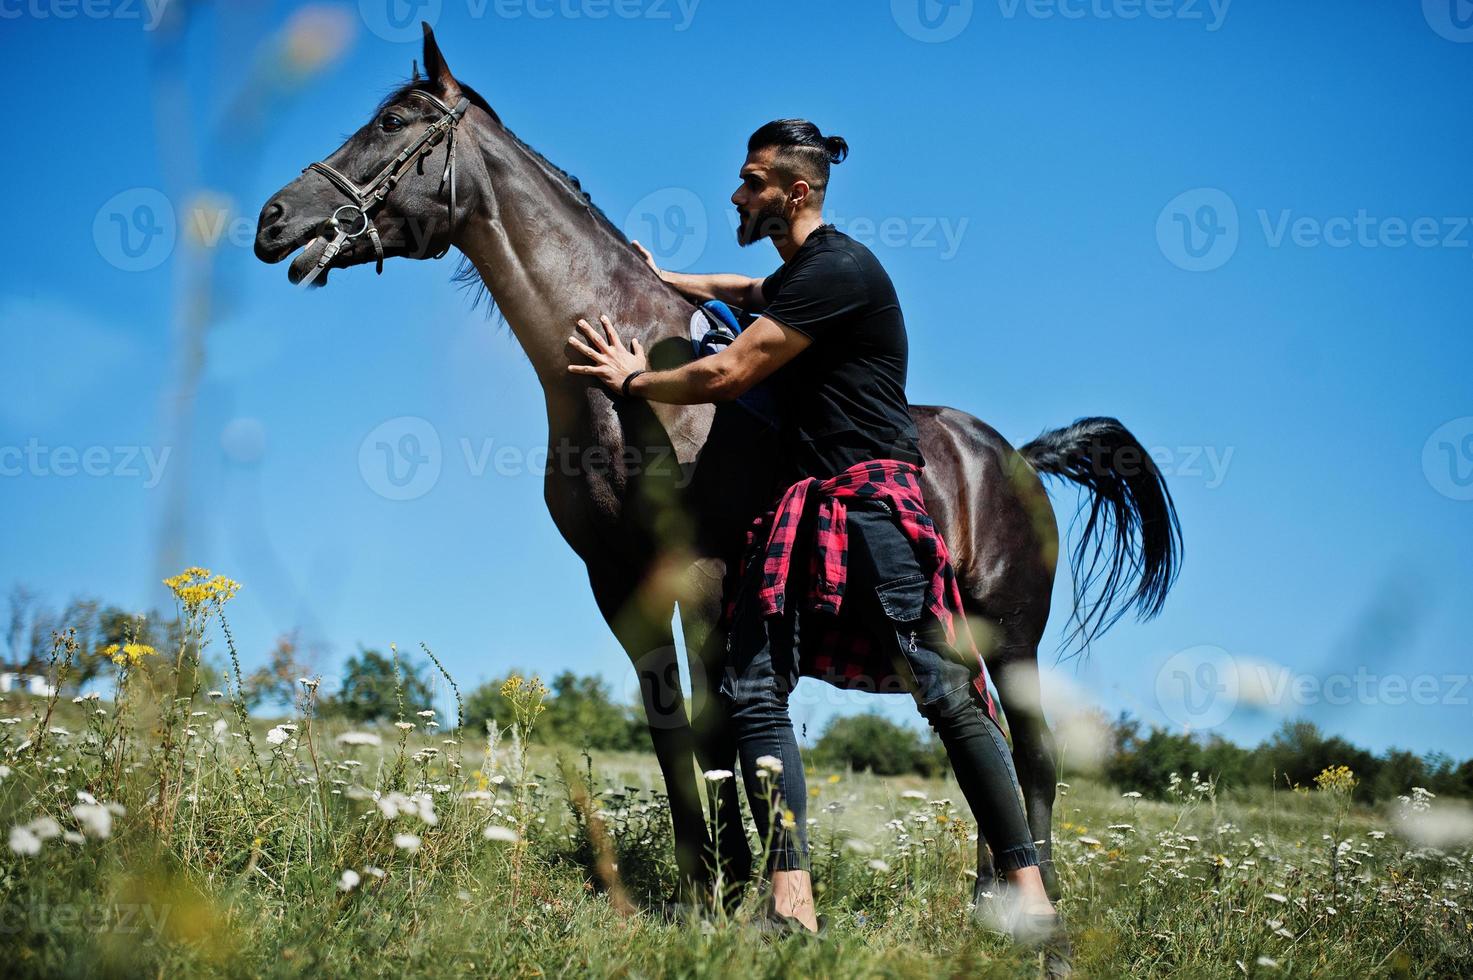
1131	532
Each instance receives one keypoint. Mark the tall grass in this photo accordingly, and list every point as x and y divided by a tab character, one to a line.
165	831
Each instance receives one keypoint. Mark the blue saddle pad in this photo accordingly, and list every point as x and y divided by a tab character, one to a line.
713	327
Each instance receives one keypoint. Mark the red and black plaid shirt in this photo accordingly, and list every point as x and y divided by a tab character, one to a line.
836	649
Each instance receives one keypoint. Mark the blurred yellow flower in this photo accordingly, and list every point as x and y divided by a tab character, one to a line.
129	654
1336	779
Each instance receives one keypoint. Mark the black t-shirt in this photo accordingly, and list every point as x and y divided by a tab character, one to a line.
843	398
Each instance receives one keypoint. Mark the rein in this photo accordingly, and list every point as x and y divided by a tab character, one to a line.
365	199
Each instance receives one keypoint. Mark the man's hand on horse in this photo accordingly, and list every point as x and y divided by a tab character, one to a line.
612	361
649	259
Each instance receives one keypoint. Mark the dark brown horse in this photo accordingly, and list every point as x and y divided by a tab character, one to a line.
652	496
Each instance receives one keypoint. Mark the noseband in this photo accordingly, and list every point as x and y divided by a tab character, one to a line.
363	201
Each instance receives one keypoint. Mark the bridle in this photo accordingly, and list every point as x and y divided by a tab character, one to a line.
362	201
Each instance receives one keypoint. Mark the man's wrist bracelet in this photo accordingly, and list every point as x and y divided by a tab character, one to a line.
624	388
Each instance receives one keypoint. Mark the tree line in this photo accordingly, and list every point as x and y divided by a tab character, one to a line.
582	712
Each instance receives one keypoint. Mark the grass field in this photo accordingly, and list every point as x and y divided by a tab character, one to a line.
164	836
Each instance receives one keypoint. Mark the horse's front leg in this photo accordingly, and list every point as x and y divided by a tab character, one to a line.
643	629
705	645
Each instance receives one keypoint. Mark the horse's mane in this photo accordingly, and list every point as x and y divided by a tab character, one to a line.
466	274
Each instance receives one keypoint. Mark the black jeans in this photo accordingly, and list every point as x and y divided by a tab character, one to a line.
886	591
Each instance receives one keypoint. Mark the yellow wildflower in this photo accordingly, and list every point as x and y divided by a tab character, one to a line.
129	654
1336	779
196	587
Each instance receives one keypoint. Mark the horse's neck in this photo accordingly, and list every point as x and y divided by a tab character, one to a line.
547	260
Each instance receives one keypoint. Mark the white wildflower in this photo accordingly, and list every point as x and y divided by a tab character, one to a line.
349	880
1132	795
407	842
278	735
769	764
404	726
359	738
216	695
717	775
23	841
1276	897
504	834
912	794
94	820
394	805
878	865
45	828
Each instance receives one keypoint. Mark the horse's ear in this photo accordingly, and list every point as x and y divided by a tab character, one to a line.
435	67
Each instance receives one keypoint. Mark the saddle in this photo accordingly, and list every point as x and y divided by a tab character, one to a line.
713	327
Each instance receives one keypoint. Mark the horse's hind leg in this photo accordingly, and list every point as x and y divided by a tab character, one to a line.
1014	669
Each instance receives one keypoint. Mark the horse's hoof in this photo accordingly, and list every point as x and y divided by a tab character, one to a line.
990	903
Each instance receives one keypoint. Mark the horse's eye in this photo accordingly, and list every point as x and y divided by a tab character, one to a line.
391	123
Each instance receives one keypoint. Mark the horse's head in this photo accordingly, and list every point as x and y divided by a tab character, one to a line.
389	190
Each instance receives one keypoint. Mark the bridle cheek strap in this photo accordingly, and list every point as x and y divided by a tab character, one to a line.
365	200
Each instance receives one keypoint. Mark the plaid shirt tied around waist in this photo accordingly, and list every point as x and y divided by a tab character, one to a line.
844	651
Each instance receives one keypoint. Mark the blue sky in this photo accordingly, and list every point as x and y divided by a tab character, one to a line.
1240	228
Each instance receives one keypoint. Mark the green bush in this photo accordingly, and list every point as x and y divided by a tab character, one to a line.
875	744
581	712
370	690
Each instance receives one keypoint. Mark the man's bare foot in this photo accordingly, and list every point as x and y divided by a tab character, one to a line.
792	895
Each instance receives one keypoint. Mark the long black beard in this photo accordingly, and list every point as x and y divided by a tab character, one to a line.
770	222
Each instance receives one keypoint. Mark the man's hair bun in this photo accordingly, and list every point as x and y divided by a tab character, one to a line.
802	147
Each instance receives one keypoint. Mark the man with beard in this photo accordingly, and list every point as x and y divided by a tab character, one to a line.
883	611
